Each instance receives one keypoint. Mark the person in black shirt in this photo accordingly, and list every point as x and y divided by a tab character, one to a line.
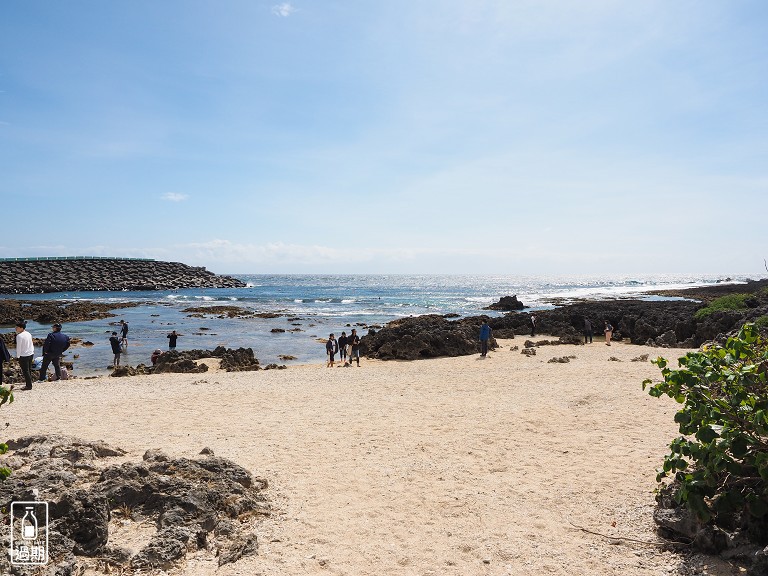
343	347
124	333
354	348
116	350
172	340
331	347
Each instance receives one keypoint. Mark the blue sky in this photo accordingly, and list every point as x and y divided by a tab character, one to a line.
437	136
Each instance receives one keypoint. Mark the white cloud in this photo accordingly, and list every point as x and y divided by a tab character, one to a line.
283	10
279	252
174	197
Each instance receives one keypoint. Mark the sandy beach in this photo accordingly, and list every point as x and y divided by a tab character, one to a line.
448	466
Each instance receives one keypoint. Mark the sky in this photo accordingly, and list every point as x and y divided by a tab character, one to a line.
430	136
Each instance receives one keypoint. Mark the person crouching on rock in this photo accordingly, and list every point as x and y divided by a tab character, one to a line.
155	356
116	350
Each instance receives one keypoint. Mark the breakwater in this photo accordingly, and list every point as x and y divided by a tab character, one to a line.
76	274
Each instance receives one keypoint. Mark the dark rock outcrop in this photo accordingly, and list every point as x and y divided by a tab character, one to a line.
506	304
50	311
426	336
667	323
186	362
195	504
740	536
30	276
232	360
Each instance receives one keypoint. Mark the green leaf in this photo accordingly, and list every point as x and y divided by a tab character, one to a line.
739	446
706	435
682	417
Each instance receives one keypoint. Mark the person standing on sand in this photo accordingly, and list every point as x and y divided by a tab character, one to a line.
587	331
116	350
608	333
485	335
55	344
354	348
124	333
172	340
343	347
331	347
25	350
533	325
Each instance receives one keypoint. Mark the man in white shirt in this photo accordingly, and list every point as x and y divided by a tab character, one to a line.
25	350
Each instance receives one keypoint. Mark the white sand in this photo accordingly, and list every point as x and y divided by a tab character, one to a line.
448	466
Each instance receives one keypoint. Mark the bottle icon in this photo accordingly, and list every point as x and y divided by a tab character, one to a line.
29	524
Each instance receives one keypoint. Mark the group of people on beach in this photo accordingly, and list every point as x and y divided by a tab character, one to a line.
485	333
53	348
347	347
120	345
588	333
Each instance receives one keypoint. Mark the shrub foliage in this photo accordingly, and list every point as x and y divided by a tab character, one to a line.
729	302
721	459
6	396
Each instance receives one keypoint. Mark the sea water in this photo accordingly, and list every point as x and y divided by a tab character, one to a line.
312	306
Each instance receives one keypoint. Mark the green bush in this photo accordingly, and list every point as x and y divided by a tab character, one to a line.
721	459
729	302
6	396
762	322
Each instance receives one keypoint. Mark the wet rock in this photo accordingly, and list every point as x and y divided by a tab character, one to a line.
506	304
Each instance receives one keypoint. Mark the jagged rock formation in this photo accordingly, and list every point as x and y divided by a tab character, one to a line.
207	504
85	274
667	324
173	361
506	304
427	336
50	311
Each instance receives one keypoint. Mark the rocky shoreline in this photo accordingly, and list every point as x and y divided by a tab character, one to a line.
34	276
665	323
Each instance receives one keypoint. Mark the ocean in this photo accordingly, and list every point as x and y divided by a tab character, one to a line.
312	306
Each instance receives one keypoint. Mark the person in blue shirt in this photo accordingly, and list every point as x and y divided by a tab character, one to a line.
485	335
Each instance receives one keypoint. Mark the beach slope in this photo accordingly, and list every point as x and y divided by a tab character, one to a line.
446	466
